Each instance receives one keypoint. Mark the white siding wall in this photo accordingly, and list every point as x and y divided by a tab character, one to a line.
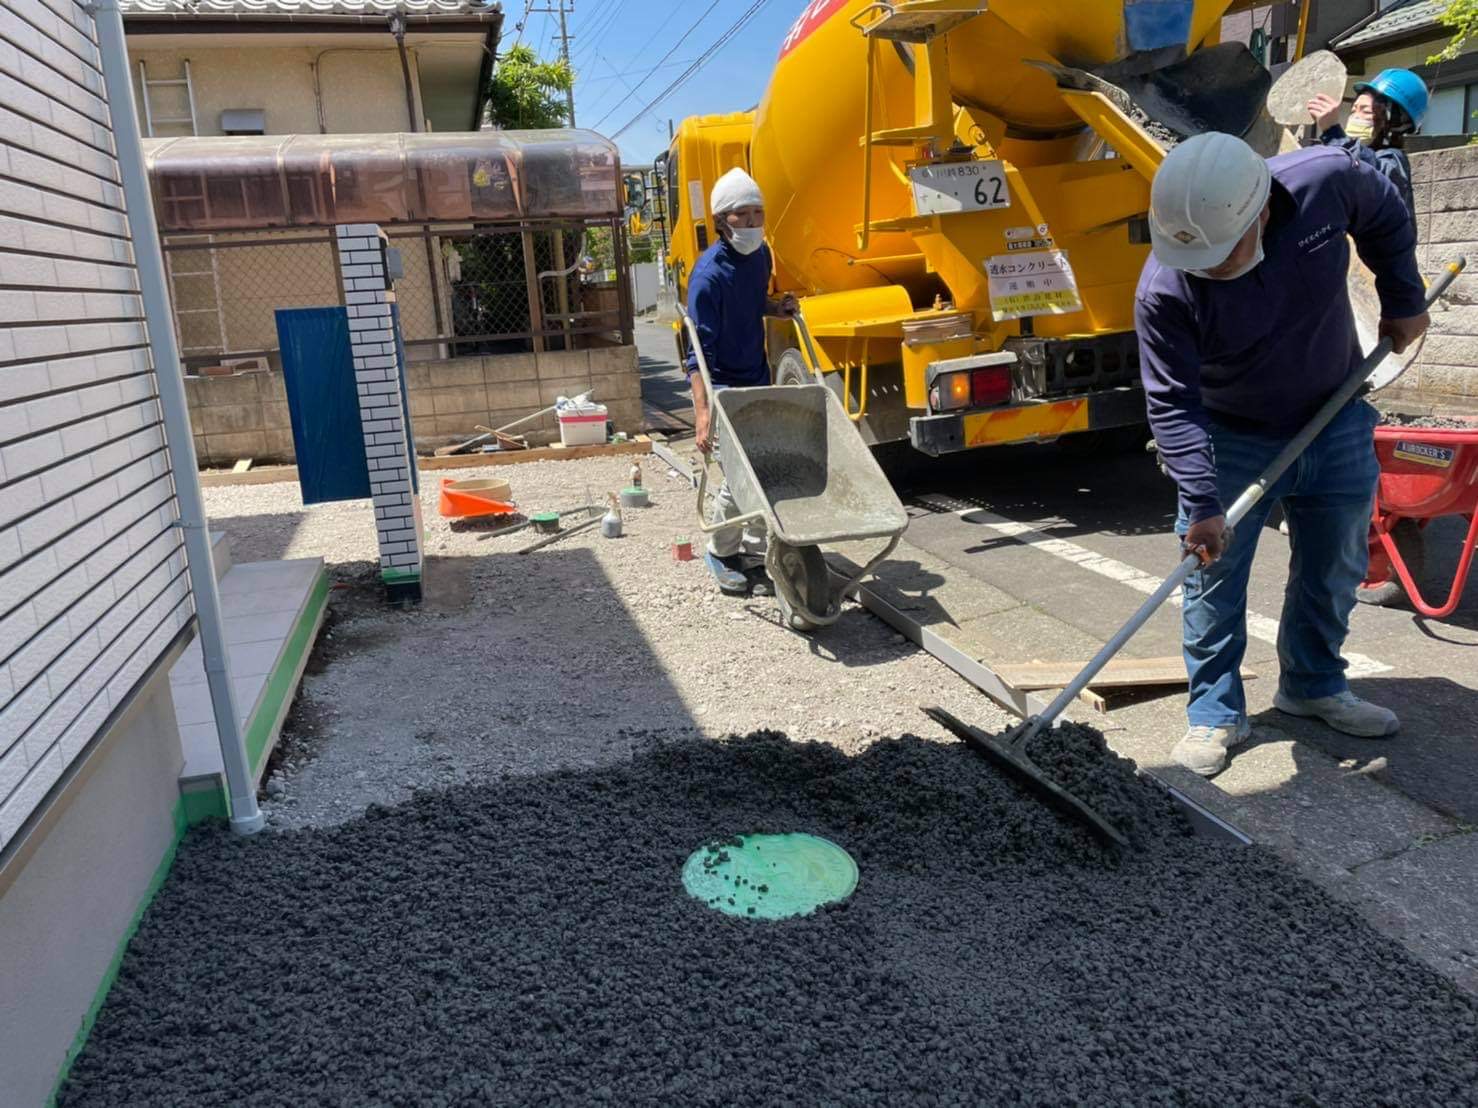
92	575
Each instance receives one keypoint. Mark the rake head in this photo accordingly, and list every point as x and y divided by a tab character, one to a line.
1008	753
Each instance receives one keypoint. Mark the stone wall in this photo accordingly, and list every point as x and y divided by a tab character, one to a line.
246	415
1445	375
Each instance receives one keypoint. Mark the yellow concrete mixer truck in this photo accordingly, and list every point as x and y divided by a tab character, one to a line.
957	193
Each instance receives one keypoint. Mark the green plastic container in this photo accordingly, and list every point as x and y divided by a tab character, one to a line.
770	877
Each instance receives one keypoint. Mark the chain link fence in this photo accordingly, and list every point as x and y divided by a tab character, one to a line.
465	290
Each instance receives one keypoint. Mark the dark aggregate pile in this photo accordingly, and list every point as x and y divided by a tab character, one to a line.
1157	131
530	943
1430	422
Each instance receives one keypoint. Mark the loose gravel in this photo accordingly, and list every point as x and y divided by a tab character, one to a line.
1430	422
530	942
524	664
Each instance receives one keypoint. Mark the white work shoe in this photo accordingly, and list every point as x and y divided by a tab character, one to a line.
1203	750
1344	712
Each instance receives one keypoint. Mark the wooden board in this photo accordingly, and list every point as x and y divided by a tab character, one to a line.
258	475
1121	673
639	445
266	475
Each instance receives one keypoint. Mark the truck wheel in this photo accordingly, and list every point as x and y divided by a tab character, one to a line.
792	370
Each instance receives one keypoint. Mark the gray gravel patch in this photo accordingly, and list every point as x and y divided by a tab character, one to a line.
529	942
525	664
1431	422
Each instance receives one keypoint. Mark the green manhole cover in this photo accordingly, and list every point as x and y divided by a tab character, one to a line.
770	876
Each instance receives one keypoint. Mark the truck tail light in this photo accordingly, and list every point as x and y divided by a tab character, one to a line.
990	386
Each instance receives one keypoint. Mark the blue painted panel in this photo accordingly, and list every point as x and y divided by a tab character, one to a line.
318	372
1152	24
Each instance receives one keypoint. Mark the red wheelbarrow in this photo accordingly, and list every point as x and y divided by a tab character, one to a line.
1426	473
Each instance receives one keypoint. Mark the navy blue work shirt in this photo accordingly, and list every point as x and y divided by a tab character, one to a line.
1389	161
1261	353
727	296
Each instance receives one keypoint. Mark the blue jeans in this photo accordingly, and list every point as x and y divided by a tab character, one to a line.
1326	496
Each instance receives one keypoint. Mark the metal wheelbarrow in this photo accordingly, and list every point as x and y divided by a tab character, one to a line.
800	473
1426	473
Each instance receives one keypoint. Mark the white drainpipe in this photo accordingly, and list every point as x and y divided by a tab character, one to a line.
246	817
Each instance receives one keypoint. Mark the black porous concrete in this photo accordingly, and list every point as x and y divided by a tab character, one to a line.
531	943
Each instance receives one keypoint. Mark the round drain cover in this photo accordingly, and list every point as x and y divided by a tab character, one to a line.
770	876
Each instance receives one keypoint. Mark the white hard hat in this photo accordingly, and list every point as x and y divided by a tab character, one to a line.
735	189
1210	189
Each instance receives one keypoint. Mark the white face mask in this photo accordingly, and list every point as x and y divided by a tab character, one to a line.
1252	263
747	240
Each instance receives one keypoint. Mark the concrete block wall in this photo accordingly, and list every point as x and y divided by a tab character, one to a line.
1445	375
246	415
448	399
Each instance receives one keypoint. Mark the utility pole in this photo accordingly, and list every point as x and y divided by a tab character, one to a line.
565	38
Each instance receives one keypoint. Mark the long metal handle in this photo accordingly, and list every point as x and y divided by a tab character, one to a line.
1239	509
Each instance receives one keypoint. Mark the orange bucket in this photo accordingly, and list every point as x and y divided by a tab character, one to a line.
478	497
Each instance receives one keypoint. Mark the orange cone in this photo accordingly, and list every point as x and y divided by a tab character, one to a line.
463	503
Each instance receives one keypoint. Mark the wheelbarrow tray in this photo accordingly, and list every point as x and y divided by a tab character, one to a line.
1426	471
791	453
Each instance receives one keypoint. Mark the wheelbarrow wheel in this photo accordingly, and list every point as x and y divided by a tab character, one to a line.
804	573
1384	594
792	370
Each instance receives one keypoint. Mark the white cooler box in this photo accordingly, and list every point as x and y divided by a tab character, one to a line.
584	425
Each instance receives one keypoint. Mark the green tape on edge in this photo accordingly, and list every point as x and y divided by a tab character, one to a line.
156	882
280	684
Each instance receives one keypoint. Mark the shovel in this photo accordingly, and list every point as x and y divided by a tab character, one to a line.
1008	751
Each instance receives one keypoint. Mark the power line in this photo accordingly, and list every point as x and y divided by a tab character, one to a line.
703	59
613	75
597	28
523	21
662	59
564	47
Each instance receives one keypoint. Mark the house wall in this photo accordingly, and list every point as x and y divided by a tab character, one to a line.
93	593
246	415
360	88
66	911
1445	375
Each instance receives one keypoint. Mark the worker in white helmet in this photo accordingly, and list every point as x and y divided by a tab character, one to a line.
1245	329
728	298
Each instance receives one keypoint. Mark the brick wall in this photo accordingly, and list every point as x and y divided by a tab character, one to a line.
92	571
1445	375
246	415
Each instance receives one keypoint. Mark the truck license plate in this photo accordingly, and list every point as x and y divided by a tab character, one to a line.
951	187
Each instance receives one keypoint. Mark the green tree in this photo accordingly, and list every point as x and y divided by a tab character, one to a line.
1461	18
527	94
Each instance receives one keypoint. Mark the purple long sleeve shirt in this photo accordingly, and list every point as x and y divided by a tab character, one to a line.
1262	352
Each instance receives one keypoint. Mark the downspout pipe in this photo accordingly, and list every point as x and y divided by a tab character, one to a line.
246	817
397	28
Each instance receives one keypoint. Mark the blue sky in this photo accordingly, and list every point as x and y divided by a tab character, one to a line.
629	37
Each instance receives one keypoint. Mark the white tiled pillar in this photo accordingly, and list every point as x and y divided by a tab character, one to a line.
387	447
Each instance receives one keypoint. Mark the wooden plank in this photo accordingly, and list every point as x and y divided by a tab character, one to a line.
258	475
1121	673
266	475
639	445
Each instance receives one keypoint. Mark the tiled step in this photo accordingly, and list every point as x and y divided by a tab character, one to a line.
272	613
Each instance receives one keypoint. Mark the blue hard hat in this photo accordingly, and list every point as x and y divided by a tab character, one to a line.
1403	88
